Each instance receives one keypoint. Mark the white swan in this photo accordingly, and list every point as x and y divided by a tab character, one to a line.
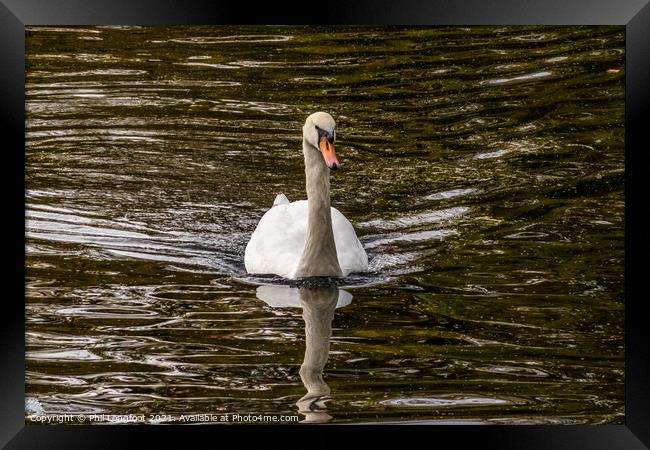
308	238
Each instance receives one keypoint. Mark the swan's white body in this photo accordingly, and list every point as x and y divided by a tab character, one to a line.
277	243
308	238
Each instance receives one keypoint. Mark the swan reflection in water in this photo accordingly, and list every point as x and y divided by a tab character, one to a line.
318	304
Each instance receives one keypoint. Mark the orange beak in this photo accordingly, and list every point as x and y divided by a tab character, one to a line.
327	150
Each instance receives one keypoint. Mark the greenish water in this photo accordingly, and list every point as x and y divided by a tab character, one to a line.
483	169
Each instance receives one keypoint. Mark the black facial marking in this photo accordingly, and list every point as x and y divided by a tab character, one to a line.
328	135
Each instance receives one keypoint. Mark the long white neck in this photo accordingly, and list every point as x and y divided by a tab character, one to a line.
319	258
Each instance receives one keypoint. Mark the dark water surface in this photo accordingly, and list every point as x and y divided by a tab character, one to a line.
482	169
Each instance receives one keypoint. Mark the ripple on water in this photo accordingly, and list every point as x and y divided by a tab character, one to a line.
417	219
451	194
409	237
63	355
527	77
33	407
514	371
234	39
107	312
63	30
490	155
97	72
232	105
445	401
209	65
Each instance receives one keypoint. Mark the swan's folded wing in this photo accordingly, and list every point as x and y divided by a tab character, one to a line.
278	241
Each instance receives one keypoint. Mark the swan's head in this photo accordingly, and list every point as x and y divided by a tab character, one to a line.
320	132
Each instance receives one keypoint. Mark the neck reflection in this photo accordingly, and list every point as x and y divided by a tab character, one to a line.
318	305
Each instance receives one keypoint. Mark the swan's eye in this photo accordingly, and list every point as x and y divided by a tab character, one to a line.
322	133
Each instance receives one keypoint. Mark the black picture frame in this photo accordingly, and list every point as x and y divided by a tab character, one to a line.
15	15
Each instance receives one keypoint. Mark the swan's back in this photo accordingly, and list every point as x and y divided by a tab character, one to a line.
277	243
